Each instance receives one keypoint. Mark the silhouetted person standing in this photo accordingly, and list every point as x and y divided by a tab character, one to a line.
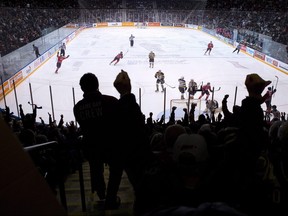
97	116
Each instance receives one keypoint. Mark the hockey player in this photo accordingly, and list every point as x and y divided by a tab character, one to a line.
238	48
192	88
182	87
62	49
117	58
36	50
159	75
206	89
211	106
60	58
151	59
209	48
268	98
131	39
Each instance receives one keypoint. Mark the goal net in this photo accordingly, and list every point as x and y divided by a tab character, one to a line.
185	103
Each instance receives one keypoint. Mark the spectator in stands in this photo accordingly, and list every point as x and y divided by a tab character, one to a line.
135	149
97	114
29	119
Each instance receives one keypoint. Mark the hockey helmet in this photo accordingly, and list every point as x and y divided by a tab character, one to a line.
208	83
182	77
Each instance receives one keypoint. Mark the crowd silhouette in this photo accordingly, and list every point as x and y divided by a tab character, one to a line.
233	163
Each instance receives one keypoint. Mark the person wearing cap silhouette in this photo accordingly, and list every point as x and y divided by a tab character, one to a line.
125	147
252	141
135	147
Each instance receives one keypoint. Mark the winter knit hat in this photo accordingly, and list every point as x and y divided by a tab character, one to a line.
255	83
190	144
89	82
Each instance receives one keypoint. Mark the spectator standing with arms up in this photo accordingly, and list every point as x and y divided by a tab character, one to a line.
135	148
97	114
131	39
117	58
36	50
151	59
60	58
209	48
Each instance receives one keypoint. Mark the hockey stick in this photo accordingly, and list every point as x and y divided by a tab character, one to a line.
169	85
276	82
35	105
275	86
126	52
217	89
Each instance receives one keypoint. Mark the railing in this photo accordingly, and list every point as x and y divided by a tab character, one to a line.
36	151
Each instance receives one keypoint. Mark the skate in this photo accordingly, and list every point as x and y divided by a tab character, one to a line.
157	88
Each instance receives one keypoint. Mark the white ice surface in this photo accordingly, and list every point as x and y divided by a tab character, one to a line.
179	52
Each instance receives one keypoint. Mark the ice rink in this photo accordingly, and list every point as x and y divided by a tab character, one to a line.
179	52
